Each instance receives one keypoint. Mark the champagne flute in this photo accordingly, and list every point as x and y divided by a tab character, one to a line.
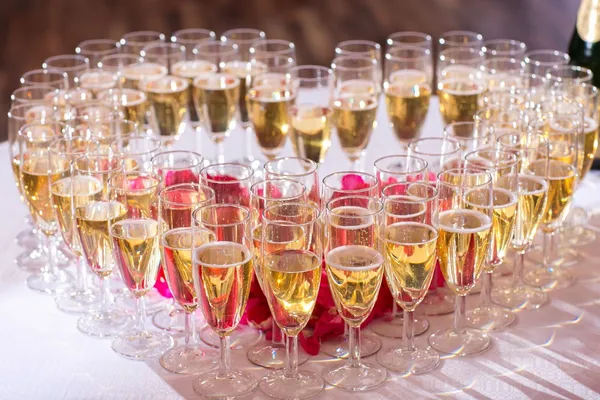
134	42
337	185
216	92
291	279
540	61
499	48
222	273
263	194
178	237
116	63
300	170
92	224
74	65
354	260
410	38
311	116
67	194
130	104
244	38
407	86
270	100
137	151
362	48
503	166
411	233
356	91
95	49
36	175
463	245
503	73
135	240
470	136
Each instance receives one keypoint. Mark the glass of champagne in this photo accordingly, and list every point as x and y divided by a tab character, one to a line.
407	84
356	92
36	175
464	232
91	223
311	115
98	79
244	38
116	63
411	233
503	167
270	100
263	194
354	265
540	61
499	48
300	170
74	65
470	136
291	279
67	194
503	73
460	39
222	272
410	38
216	92
95	49
134	42
460	85
136	245
178	238
136	150
532	191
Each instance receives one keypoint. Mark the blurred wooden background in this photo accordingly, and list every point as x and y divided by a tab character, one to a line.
32	30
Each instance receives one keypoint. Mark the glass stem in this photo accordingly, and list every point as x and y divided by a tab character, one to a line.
248	144
547	250
50	248
140	313
292	356
346	330
191	336
224	357
486	290
408	334
395	310
220	151
354	346
277	336
81	275
105	296
459	314
355	164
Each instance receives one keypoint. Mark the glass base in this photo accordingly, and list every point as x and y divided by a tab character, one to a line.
578	236
243	337
48	283
565	257
490	318
272	356
548	279
27	239
77	302
64	256
466	343
506	268
141	345
304	385
170	319
234	384
189	359
438	303
105	324
369	345
392	327
154	301
520	297
477	288
364	376
31	261
409	361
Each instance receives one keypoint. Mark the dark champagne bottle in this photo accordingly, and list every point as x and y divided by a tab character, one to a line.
584	48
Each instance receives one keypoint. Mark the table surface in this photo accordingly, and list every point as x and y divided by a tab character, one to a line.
552	353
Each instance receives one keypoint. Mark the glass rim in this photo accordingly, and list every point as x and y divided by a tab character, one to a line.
157	180
248	170
204	48
28	105
413	143
52	147
119	56
225	36
111	47
40	86
171	47
179	36
199	222
404	156
98	156
377	201
350	191
328	73
82	62
476	53
408	198
44	71
426	53
141	137
512	158
128	38
370	64
474	124
557	54
519	135
416	34
312	207
263	197
190	185
586	73
352	42
284	43
51	127
475	171
507	60
445	38
313	166
196	157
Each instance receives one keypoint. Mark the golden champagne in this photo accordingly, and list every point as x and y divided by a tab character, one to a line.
311	131
407	105
590	145
137	251
97	81
354	274
411	253
291	280
355	119
351	225
131	104
92	222
216	98
16	169
168	99
459	100
531	205
177	247
37	174
270	106
245	72
462	246
67	195
222	274
190	69
133	74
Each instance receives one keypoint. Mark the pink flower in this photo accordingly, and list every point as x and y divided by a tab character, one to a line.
180	176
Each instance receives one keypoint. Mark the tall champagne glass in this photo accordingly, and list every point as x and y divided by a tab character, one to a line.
263	194
222	272
95	49
291	279
343	184
356	97
300	170
463	245
503	167
92	224
136	246
178	237
411	233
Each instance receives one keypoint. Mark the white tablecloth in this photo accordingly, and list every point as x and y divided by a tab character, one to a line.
550	353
